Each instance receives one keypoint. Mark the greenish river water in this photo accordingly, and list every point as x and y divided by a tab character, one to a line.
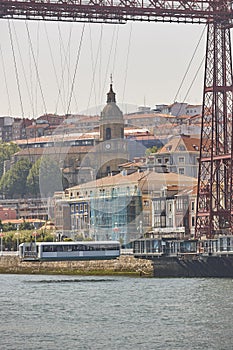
65	312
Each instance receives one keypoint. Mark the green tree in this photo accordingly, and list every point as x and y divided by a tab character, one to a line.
33	183
153	149
13	182
26	226
50	177
45	177
9	227
7	149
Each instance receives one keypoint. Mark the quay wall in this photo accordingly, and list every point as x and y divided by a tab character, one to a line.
124	265
201	266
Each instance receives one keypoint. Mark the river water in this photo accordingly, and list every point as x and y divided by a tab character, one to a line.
70	312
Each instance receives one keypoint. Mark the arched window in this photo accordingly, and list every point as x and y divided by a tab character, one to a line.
87	161
108	134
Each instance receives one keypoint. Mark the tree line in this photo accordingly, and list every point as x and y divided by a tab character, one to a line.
25	179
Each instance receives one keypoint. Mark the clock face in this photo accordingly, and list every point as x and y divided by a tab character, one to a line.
107	146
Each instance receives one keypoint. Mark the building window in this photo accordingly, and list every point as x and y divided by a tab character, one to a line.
163	205
193	221
157	205
163	220
108	169
146	220
181	171
157	221
108	134
87	161
192	205
186	222
181	159
179	204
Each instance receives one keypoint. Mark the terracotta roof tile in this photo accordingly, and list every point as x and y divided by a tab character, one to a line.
191	144
192	190
147	181
53	150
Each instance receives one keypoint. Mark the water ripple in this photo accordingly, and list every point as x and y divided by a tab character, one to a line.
71	281
53	313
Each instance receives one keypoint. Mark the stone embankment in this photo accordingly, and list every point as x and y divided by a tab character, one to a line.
125	265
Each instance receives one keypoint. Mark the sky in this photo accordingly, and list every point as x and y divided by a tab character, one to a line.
55	67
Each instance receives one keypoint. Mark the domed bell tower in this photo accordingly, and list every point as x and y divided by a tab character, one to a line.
111	120
113	147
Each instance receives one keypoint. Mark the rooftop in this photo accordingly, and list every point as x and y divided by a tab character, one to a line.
147	181
190	144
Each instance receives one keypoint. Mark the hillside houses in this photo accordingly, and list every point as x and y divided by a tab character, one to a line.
179	155
115	207
112	186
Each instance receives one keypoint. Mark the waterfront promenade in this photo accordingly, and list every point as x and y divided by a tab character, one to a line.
124	265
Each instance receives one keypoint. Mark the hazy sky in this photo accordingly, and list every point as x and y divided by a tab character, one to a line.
41	61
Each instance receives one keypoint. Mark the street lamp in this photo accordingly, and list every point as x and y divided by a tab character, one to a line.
54	234
140	228
116	230
1	235
17	237
35	234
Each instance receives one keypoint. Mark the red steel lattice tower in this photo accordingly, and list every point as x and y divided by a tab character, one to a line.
214	200
214	204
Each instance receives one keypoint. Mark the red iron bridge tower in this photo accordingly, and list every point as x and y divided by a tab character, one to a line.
214	200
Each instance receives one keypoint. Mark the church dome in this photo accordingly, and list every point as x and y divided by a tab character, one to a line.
111	110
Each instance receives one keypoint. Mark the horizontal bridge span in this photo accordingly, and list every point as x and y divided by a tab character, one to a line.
119	11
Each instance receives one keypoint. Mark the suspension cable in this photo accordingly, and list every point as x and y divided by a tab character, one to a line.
5	81
16	69
94	70
108	63
195	76
189	65
63	51
76	67
54	68
36	67
115	52
24	73
127	62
